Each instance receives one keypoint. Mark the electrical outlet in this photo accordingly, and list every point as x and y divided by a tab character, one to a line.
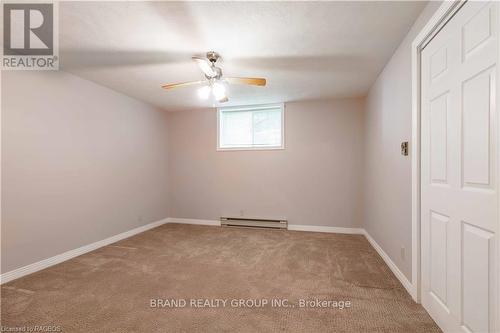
403	253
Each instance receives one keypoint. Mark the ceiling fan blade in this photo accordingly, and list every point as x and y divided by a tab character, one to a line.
255	81
205	66
182	84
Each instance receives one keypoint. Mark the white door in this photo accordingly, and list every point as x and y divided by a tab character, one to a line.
459	178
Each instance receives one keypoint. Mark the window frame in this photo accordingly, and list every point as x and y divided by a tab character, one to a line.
252	108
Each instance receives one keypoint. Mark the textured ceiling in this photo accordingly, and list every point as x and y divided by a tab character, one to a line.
306	50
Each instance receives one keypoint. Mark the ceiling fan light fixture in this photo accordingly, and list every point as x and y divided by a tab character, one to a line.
204	92
219	91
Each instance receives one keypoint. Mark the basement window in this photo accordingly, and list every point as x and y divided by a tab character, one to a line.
256	127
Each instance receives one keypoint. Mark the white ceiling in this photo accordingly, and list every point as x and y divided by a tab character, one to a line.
306	50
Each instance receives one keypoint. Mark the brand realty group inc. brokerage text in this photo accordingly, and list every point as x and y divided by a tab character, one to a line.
247	303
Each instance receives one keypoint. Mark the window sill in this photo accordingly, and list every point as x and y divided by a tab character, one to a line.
250	148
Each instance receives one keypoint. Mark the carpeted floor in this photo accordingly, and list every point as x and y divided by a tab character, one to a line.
113	288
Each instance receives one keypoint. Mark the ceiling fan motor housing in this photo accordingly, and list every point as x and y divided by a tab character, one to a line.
213	56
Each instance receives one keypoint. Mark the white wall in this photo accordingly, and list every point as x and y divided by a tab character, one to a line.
387	174
80	163
314	181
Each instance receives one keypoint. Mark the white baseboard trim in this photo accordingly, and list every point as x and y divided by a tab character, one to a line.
399	275
193	221
37	266
319	228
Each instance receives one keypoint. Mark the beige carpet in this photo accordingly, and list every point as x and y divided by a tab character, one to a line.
110	289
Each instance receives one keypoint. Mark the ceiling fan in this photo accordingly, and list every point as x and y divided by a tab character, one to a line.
214	83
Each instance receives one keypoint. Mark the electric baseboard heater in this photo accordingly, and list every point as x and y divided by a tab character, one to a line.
253	223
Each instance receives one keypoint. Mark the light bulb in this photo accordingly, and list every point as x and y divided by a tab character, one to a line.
204	92
219	91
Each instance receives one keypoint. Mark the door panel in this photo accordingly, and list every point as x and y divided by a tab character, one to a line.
477	150
459	162
439	62
476	248
438	138
438	256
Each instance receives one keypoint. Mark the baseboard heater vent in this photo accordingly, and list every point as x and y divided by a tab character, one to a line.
253	223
